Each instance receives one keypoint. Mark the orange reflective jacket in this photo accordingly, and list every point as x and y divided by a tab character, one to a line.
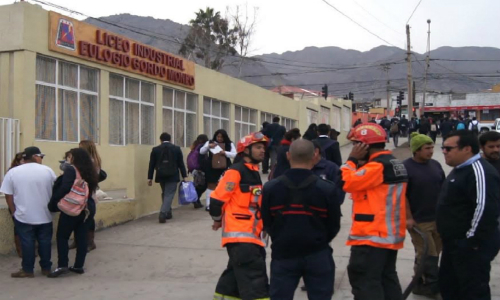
238	193
378	192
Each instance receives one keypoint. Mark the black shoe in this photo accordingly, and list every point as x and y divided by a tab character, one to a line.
58	272
168	216
265	172
198	205
76	270
207	208
162	218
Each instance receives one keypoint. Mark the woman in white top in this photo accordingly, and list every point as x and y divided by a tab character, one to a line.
212	175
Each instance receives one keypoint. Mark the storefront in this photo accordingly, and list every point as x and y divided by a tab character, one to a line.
62	81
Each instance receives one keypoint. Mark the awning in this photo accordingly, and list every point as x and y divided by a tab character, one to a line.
456	108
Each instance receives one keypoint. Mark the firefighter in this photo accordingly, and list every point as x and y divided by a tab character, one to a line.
235	206
378	227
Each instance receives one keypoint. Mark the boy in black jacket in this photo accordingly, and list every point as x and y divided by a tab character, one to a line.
301	213
467	220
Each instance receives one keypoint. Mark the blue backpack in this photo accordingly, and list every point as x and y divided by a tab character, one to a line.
461	126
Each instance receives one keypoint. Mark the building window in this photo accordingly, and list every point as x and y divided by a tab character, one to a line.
325	115
67	107
312	116
245	120
490	114
346	118
336	118
215	116
267	117
131	111
288	123
179	116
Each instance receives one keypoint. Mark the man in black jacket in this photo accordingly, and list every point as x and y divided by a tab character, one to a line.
467	220
167	160
330	149
275	132
301	213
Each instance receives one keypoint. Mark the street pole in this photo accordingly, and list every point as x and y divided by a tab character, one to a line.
422	105
410	88
386	68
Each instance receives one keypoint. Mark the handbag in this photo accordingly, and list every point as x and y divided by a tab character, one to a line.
76	200
199	178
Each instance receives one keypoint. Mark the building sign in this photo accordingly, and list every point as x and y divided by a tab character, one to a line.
79	39
460	108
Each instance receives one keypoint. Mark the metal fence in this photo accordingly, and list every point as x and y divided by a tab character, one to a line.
10	135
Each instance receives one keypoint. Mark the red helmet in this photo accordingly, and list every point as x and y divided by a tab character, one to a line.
368	134
252	138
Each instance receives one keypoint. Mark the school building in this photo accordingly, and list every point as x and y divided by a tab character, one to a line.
63	80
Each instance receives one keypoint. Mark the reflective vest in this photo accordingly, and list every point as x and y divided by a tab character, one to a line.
378	191
241	191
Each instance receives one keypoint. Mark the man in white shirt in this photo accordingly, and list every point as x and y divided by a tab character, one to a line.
28	189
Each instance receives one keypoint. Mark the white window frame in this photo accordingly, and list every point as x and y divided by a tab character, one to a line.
185	111
78	90
140	102
324	112
241	122
212	116
337	118
346	120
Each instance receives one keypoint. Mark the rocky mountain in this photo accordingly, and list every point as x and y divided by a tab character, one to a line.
464	69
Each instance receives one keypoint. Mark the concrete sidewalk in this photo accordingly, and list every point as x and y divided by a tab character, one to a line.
175	261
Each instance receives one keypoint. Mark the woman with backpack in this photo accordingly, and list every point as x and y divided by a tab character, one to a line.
220	151
79	174
196	166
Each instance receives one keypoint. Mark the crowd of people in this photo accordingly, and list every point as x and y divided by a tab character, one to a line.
299	208
34	193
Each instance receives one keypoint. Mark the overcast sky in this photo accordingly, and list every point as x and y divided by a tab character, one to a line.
291	25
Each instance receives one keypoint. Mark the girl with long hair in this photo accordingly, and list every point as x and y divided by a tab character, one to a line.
195	149
221	139
91	149
311	132
76	160
17	161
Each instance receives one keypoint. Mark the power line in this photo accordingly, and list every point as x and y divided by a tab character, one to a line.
414	11
453	71
376	18
465	60
352	20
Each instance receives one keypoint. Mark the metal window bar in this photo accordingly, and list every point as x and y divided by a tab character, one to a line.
10	136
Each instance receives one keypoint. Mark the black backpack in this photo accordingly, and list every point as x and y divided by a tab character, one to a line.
167	165
475	126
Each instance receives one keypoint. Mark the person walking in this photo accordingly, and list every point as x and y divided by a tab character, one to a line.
301	213
327	170
330	149
404	124
311	132
217	162
282	162
434	129
386	125
395	132
236	207
265	162
275	133
17	161
474	126
27	190
167	161
467	220
446	127
425	179
378	215
91	149
197	166
78	166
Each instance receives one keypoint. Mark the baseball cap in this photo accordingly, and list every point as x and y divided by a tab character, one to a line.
30	151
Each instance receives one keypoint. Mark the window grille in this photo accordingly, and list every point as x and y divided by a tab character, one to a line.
215	116
179	116
245	120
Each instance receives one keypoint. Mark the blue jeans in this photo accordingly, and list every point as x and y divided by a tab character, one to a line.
28	234
317	269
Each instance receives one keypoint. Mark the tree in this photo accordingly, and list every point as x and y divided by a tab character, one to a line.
210	39
245	28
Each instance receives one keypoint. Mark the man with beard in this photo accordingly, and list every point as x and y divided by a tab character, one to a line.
490	145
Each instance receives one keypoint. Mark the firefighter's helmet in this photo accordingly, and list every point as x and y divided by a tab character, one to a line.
252	138
368	133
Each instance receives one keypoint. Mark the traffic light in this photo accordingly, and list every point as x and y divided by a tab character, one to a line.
354	107
401	95
324	91
346	97
399	101
351	96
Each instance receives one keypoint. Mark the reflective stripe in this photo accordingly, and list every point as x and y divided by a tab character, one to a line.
397	213
347	166
377	239
218	296
388	211
237	234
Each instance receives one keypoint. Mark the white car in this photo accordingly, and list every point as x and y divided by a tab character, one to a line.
496	125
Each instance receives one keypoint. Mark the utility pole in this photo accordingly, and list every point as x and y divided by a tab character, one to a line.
386	68
422	105
410	87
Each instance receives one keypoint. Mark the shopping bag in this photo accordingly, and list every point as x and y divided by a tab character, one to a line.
187	193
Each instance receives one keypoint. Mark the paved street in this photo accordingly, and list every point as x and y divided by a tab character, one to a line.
178	260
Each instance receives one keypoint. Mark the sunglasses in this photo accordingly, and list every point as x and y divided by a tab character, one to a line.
448	148
40	155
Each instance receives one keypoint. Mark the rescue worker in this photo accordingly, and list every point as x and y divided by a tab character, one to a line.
378	227
235	206
301	213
